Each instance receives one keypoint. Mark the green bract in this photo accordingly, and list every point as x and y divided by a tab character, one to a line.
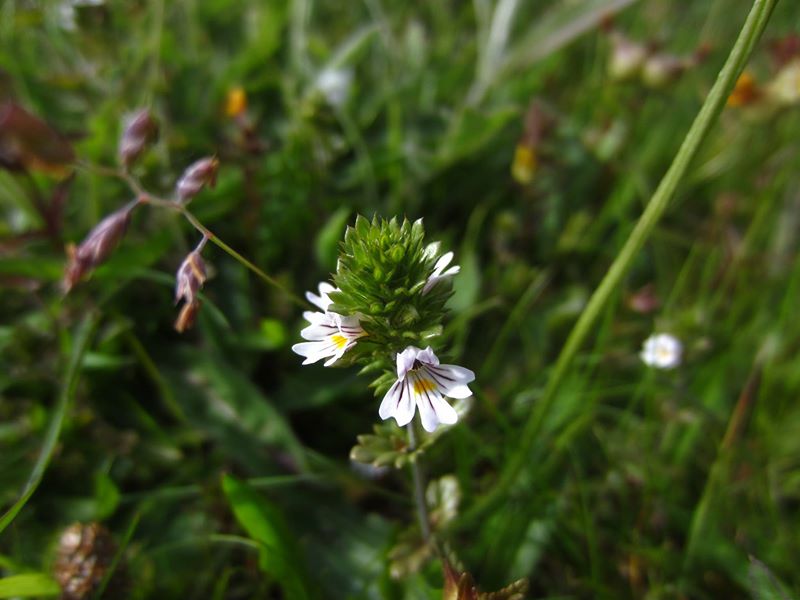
382	270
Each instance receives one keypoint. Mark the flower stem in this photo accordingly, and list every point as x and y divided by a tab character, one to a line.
419	486
207	233
748	37
145	197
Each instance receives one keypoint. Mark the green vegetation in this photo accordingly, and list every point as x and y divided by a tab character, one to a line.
531	138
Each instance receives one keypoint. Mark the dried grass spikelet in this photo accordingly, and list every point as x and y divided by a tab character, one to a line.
199	174
84	554
140	130
191	276
187	317
98	245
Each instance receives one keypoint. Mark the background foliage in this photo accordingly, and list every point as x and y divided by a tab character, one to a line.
221	467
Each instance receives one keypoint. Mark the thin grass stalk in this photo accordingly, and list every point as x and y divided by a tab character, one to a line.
748	37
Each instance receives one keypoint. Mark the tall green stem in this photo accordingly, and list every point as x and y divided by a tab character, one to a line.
419	486
748	37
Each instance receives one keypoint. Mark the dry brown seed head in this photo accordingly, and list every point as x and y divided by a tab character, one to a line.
187	316
199	174
96	247
85	552
140	131
190	277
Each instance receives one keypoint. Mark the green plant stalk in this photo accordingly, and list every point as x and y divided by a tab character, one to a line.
748	37
145	197
419	490
68	387
239	258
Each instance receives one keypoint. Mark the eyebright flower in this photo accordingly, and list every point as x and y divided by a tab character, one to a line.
439	273
662	351
330	335
423	382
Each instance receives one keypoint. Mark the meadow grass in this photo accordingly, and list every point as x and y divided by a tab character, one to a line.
220	466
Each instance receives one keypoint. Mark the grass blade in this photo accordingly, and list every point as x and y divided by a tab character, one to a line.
68	387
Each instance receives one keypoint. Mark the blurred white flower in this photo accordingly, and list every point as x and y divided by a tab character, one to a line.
423	382
626	58
785	88
439	273
330	335
67	16
334	85
662	351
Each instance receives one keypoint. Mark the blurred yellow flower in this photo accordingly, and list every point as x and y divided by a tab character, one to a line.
524	166
745	91
235	102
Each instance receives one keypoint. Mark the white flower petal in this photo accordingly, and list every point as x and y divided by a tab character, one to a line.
398	403
457	391
456	373
389	401
443	261
405	360
450	272
322	301
427	356
311	350
316	317
318	332
430	421
445	413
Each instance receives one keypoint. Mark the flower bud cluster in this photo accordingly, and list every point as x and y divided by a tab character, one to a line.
382	273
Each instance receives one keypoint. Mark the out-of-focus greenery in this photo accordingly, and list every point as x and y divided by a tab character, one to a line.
220	465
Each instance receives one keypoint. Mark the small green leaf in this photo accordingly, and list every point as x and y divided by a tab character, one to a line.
28	585
280	556
327	245
106	495
764	585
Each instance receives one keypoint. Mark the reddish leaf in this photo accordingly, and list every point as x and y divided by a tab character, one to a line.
28	143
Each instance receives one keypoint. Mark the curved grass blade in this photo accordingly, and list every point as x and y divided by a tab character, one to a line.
748	37
79	346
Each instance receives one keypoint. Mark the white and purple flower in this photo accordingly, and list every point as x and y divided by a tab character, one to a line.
423	382
330	334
